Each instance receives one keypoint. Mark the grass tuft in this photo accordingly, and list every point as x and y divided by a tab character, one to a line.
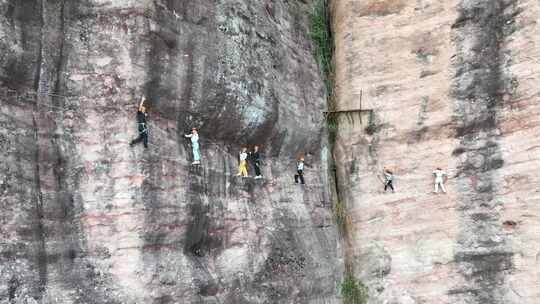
353	291
340	216
321	35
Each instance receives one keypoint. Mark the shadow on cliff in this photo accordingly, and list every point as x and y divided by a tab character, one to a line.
482	252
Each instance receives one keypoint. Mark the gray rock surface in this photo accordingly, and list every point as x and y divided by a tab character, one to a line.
87	219
451	84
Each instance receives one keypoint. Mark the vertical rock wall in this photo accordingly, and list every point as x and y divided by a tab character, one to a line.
451	84
87	219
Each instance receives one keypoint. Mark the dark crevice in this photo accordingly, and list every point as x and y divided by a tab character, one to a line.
187	91
199	240
479	82
37	76
10	12
41	256
13	286
55	214
60	61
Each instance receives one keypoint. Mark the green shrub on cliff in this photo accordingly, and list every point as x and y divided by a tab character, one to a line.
353	291
321	36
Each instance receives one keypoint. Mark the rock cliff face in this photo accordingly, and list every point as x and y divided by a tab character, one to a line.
450	84
87	219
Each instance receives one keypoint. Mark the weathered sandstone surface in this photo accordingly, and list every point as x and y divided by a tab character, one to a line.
451	84
84	218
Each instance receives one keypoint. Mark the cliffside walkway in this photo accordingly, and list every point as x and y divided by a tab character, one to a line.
31	99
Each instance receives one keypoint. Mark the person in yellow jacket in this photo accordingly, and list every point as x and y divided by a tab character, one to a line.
242	168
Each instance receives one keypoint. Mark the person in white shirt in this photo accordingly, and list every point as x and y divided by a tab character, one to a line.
439	180
242	167
195	146
299	171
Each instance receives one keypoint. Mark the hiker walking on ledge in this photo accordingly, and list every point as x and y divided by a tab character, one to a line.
389	179
242	167
142	127
299	171
195	146
439	180
256	159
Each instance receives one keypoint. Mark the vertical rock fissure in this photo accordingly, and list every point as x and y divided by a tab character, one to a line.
60	61
481	253
39	125
37	76
56	208
181	116
41	255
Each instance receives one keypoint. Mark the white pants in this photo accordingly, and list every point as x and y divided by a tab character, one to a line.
441	184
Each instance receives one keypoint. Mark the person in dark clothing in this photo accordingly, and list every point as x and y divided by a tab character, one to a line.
299	171
389	179
256	160
142	127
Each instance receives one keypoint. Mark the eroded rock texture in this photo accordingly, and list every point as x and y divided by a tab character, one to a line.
87	219
451	84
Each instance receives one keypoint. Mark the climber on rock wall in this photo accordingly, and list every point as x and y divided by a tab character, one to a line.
255	157
389	179
242	167
299	171
439	180
195	146
142	127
